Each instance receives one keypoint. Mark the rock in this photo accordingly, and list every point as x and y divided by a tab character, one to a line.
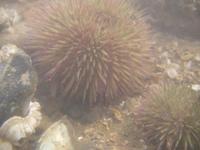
4	145
197	57
56	137
3	19
8	18
172	70
196	87
172	73
18	82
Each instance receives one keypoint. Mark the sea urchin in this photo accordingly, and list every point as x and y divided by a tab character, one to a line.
88	49
169	118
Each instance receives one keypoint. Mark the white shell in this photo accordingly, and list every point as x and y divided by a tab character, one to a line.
17	128
56	137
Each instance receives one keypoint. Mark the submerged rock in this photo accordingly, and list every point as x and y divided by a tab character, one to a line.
56	137
8	18
18	81
5	145
3	19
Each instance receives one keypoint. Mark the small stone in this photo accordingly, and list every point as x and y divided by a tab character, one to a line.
14	16
18	81
172	70
172	73
56	137
80	138
4	145
3	19
197	57
8	18
196	87
188	65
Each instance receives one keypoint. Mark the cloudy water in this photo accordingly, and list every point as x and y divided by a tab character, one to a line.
99	75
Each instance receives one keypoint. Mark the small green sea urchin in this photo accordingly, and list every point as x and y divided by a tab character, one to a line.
88	51
169	118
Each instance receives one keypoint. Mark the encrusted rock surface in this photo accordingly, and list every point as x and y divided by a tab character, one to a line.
8	17
18	81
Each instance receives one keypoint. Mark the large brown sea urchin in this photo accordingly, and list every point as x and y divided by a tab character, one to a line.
88	49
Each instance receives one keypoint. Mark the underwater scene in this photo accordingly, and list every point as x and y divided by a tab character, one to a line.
99	74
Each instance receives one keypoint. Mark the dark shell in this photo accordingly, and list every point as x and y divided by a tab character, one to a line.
18	81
